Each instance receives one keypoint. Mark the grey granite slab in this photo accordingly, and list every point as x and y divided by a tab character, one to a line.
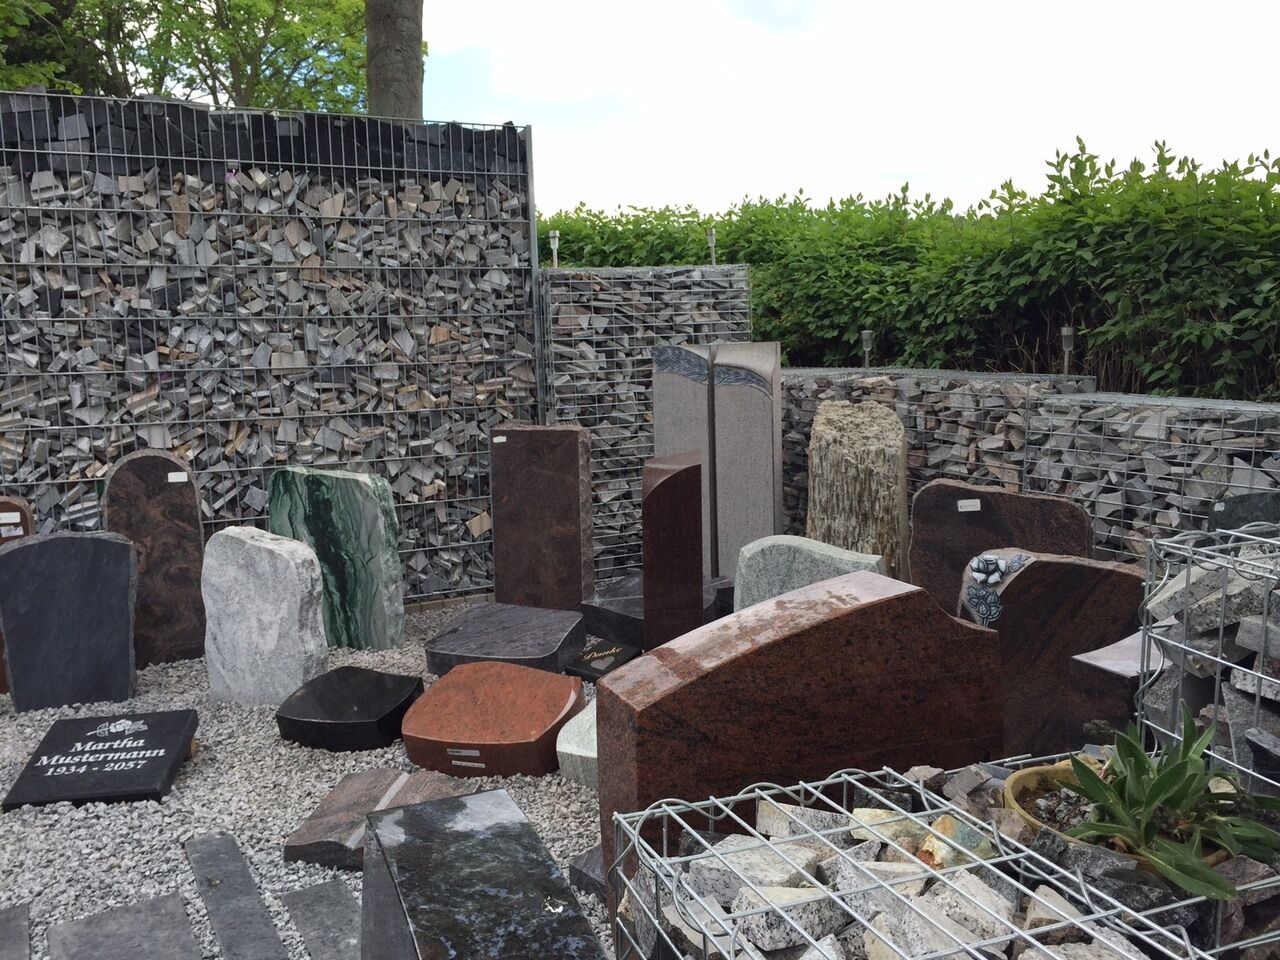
15	933
151	930
774	565
528	636
328	918
66	612
239	917
576	748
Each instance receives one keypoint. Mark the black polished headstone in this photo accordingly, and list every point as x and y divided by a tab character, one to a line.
615	611
586	873
1232	513
239	917
133	756
328	918
152	930
600	659
348	708
527	636
15	933
466	877
66	612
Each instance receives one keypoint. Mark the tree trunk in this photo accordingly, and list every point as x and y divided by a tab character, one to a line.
393	29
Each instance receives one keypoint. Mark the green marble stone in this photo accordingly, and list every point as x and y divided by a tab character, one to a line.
349	519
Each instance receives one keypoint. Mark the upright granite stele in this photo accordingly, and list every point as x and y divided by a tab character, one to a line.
265	633
671	517
772	566
16	521
858	481
349	520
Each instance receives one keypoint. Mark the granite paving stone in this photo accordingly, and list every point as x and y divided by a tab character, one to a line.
529	636
240	919
328	918
151	930
772	566
348	708
15	932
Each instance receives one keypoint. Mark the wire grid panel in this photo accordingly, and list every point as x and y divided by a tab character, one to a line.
960	425
1149	467
668	881
1213	613
601	326
248	290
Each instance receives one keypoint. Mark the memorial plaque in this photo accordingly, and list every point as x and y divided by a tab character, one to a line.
600	659
576	748
151	499
118	759
682	399
527	636
16	521
586	873
1103	684
541	483
152	930
672	535
348	708
615	610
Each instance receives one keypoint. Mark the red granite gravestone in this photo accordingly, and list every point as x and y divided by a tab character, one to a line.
953	522
541	483
151	498
16	521
856	671
671	518
1047	609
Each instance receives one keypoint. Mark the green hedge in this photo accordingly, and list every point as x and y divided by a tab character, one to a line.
1168	272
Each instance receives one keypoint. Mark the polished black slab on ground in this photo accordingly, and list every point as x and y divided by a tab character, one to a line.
152	930
528	636
466	877
586	873
615	611
328	918
600	659
1231	513
348	708
236	911
133	756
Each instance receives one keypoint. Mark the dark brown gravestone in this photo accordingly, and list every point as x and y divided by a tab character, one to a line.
856	671
16	521
1103	684
1047	609
953	522
152	500
671	520
541	483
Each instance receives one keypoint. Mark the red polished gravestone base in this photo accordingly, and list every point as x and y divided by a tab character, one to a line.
856	671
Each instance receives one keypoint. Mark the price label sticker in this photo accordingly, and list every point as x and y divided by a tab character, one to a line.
968	506
499	439
178	476
10	518
1219	506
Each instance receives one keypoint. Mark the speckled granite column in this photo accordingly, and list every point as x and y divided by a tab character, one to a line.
349	520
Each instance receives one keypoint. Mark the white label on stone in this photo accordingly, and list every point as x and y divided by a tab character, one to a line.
1219	506
178	476
6	532
968	506
456	752
464	763
10	518
499	439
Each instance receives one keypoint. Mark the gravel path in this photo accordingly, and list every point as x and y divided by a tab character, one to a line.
245	781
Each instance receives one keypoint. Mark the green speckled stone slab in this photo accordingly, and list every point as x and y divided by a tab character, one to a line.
349	519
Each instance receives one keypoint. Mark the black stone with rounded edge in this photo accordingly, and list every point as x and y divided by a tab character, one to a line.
615	610
526	636
600	659
348	708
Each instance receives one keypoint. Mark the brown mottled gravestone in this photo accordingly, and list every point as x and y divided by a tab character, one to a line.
541	483
953	522
16	521
671	518
856	671
1103	683
858	481
1047	609
151	499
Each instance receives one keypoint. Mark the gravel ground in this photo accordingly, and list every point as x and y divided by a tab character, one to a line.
72	862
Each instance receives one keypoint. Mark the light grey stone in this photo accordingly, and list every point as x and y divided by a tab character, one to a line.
915	930
808	908
1183	588
861	885
772	566
972	904
576	747
1256	632
828	948
765	866
780	820
263	598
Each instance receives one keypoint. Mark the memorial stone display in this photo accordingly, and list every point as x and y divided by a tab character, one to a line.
599	659
66	613
16	521
1103	683
772	566
348	708
118	759
615	610
576	747
540	477
528	636
672	534
349	520
466	877
152	500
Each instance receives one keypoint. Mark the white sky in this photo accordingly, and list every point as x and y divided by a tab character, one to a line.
706	101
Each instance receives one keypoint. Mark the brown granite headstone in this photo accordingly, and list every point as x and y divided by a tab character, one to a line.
856	671
953	522
151	498
16	521
1103	684
1047	609
491	719
541	483
671	520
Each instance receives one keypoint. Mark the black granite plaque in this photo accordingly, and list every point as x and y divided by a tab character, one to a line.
134	756
527	636
466	877
586	873
615	610
348	708
600	659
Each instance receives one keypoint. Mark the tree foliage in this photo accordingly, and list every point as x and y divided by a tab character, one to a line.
1168	272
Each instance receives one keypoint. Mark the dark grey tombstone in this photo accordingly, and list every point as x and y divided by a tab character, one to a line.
586	873
1232	513
239	917
528	636
328	918
152	930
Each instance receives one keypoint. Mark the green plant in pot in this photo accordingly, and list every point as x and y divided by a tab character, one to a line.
1172	810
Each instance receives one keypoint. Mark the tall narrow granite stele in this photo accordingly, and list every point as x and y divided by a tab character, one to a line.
16	522
66	611
953	522
672	533
858	481
151	498
541	483
349	519
857	671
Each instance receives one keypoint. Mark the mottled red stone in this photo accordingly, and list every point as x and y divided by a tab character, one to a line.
491	719
151	498
856	671
945	538
671	518
16	521
541	483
